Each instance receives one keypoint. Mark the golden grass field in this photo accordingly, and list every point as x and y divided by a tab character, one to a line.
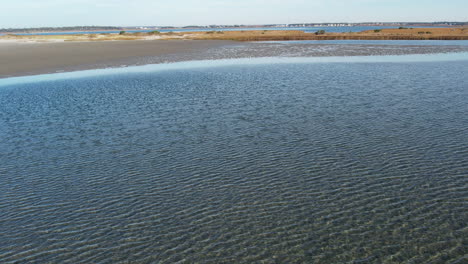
263	35
384	34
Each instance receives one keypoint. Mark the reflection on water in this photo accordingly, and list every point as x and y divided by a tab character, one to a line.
281	163
446	57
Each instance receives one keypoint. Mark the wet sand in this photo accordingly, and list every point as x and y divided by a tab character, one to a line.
20	59
36	58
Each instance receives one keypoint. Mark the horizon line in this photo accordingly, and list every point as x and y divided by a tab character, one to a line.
266	24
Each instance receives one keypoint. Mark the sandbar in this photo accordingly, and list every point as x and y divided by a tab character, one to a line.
27	58
20	58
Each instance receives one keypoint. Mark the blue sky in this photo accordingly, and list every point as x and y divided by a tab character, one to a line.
38	13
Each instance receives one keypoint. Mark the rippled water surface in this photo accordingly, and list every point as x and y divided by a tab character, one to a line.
255	163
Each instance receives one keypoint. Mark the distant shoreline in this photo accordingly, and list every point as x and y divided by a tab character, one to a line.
292	26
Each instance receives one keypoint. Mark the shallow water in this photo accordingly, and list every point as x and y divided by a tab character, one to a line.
198	64
380	42
290	162
332	49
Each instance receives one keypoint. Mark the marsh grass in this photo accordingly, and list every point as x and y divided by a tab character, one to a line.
384	34
262	35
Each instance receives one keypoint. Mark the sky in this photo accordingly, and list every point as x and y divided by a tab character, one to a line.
55	13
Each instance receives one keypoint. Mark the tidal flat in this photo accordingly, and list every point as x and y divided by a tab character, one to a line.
31	58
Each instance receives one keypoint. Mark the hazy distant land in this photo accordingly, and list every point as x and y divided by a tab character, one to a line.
292	26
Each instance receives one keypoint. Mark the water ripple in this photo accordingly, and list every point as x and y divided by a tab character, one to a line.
282	163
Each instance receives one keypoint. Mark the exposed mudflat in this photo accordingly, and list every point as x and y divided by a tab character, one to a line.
19	59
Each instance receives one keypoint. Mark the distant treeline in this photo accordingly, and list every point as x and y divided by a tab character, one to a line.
451	23
57	29
442	23
436	24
